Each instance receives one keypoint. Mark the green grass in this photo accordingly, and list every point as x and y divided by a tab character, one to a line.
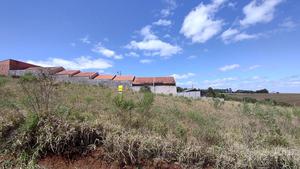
141	126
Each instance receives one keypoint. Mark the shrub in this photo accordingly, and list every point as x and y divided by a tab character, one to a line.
218	103
249	100
145	89
125	108
39	92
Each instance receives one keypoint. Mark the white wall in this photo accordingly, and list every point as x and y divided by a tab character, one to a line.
191	94
159	89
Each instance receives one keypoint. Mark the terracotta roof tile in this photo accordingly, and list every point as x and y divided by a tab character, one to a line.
124	78
68	72
91	75
154	80
105	77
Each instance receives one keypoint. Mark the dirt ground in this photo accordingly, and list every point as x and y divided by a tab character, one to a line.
94	160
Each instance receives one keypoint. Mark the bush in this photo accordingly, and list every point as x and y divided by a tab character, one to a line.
145	89
125	108
39	92
249	100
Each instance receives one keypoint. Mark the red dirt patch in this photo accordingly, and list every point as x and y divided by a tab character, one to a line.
95	160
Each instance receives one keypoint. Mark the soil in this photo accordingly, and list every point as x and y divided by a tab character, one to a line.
95	160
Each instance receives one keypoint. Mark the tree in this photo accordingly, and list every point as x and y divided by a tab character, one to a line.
262	91
211	92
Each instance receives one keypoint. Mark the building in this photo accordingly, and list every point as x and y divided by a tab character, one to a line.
65	75
7	67
125	80
161	85
191	93
86	75
105	77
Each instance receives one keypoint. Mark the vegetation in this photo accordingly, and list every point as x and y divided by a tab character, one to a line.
40	118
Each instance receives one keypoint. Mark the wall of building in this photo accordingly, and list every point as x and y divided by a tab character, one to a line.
191	94
17	65
86	80
159	89
4	68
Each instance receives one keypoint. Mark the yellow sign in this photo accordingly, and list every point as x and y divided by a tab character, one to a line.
120	88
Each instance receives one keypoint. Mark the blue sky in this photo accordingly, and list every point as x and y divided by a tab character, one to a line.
242	44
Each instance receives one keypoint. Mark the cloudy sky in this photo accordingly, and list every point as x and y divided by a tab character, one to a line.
242	44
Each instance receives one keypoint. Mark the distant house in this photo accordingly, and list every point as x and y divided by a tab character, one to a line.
128	78
162	85
191	93
125	80
86	75
67	73
8	67
105	77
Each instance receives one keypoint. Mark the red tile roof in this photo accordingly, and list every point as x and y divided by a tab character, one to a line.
105	77
91	75
68	72
154	80
124	78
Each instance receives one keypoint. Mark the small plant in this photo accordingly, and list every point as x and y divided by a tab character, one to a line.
218	103
125	109
145	105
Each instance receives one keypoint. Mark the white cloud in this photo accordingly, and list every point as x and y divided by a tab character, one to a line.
153	45
259	11
183	76
254	67
192	57
288	24
162	22
171	5
147	33
200	24
234	35
82	62
144	61
132	54
85	40
100	49
220	82
232	4
229	67
189	83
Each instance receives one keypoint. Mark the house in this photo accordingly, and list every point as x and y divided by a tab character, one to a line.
128	78
67	73
8	67
125	80
85	75
191	93
161	85
105	77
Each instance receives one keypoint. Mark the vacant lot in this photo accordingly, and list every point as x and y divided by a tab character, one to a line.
293	99
70	126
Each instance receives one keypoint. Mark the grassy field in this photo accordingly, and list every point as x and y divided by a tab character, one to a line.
42	120
292	99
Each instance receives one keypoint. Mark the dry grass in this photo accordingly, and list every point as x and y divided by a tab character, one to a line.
292	99
195	133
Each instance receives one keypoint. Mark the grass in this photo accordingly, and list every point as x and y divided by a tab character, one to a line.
282	98
134	127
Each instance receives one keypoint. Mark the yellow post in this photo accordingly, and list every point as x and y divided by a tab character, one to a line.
120	89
